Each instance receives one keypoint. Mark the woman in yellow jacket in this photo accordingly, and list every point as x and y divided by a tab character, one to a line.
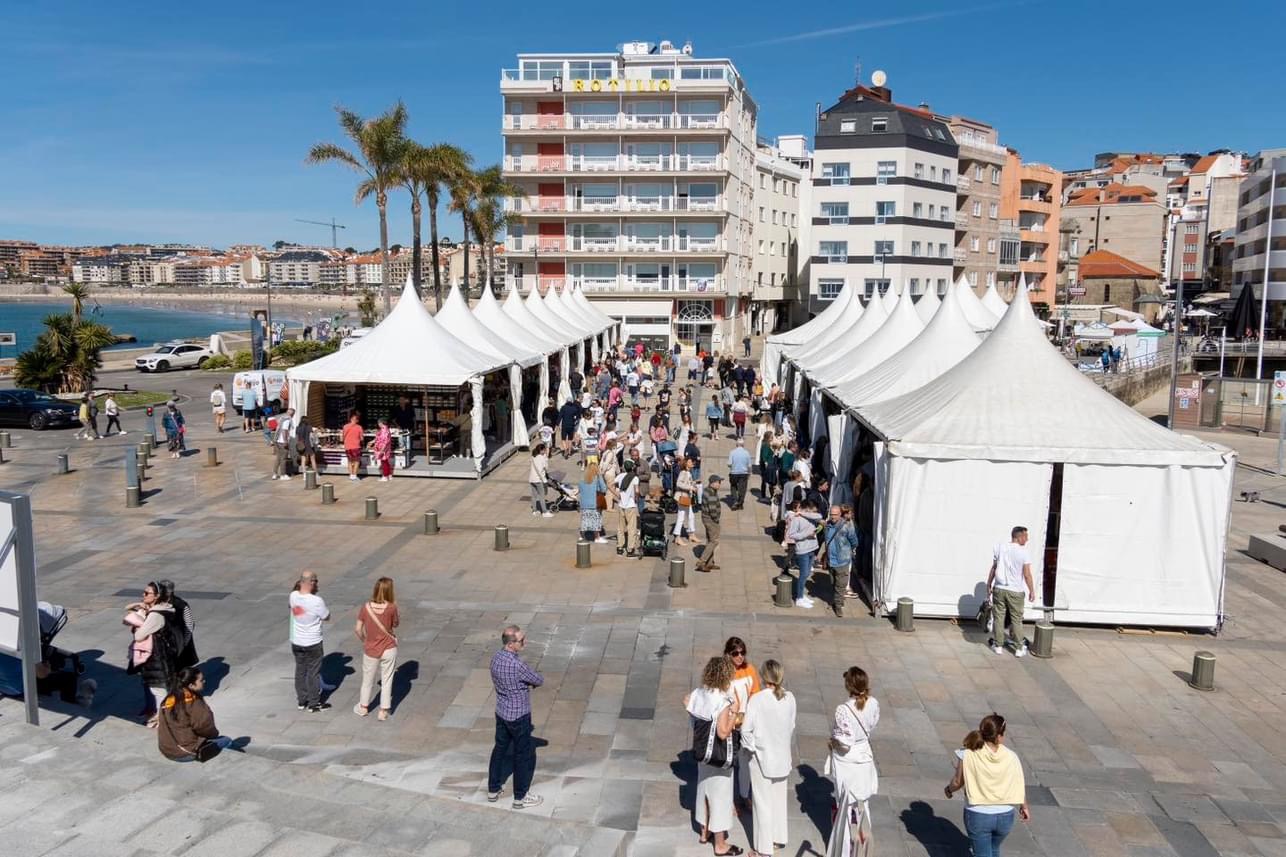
992	779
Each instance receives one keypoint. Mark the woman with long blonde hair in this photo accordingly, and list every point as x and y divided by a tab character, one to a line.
766	733
376	621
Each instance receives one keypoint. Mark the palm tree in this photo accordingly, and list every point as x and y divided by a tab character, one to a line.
65	357
78	292
489	217
464	199
426	170
380	144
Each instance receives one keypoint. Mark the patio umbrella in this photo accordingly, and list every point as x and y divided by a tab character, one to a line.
1244	321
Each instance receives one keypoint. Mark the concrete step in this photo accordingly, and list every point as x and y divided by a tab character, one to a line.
70	790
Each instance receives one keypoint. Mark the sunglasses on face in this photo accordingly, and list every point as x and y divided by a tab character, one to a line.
738	654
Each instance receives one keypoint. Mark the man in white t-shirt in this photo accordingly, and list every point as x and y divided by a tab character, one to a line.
627	526
283	443
1010	573
307	612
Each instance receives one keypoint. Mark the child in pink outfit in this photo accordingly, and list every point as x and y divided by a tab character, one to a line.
139	650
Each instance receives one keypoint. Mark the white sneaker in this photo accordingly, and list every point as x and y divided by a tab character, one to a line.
810	601
352	478
1021	651
547	515
600	541
383	478
997	648
274	477
529	800
535	513
804	603
122	432
285	479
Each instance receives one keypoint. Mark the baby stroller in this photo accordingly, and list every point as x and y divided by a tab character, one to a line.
653	539
53	618
568	495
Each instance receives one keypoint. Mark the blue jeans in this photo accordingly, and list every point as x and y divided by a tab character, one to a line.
515	735
805	561
987	830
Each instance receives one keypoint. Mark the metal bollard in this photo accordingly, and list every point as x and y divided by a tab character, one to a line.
211	457
1	455
905	620
372	508
133	498
151	440
431	523
310	480
5	440
502	537
784	597
678	568
144	450
1042	645
328	494
1203	671
64	466
582	553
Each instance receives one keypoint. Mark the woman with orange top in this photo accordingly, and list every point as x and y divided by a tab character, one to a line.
745	684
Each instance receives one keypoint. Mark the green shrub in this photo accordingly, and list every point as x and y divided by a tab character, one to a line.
296	351
242	361
218	361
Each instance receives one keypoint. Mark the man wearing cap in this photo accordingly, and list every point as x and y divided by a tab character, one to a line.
739	473
710	511
625	488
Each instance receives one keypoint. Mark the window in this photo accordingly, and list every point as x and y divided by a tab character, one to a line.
761	246
533	70
774	217
883	248
884	169
772	248
991	245
933	173
918	171
1190	228
1075	246
977	172
783	248
991	278
932	209
794	220
601	70
942	251
993	210
973	244
915	248
835	210
941	136
973	279
776	185
946	213
917	209
663	73
915	285
884	210
875	287
1189	267
977	208
946	176
848	126
763	182
836	172
762	216
828	290
995	175
879	124
834	251
1190	248
772	279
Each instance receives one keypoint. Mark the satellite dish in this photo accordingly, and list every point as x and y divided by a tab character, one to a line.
879	78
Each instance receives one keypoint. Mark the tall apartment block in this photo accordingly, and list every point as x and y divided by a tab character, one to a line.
781	204
986	248
1032	198
1260	258
637	168
884	198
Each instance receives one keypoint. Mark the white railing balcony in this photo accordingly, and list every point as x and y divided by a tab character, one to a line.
697	244
637	244
700	120
962	255
962	220
595	121
596	243
696	162
547	203
645	162
649	203
546	283
698	203
550	243
1033	258
595	284
963	183
647	120
593	163
697	284
596	203
641	284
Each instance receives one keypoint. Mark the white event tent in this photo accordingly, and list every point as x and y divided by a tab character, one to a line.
1014	435
613	326
519	310
572	311
927	305
822	343
992	300
890	298
979	316
570	333
562	317
897	331
775	345
456	317
409	347
495	319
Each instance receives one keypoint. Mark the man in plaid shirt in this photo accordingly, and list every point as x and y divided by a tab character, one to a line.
513	681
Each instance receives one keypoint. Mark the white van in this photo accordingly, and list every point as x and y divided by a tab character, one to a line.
268	384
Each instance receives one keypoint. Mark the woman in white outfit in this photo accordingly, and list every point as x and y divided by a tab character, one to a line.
851	766
767	733
714	702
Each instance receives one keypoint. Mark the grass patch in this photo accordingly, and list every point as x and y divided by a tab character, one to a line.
137	399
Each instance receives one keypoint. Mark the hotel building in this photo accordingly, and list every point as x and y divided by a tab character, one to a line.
1260	257
638	168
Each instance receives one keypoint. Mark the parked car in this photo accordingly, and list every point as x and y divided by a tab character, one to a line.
36	410
174	355
268	382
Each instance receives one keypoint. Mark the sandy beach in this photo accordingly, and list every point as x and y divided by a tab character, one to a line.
307	305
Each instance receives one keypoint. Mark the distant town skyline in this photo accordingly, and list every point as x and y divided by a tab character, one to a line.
120	132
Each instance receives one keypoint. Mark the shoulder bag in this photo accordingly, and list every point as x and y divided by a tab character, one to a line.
378	623
709	748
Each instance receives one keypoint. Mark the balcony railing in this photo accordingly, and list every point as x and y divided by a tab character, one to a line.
595	121
963	183
613	121
592	163
636	244
697	162
693	121
596	203
648	203
962	220
648	120
644	204
962	255
697	244
698	203
596	243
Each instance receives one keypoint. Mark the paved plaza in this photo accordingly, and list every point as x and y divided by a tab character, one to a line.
1122	757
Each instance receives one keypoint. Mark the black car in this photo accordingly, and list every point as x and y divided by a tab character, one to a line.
36	410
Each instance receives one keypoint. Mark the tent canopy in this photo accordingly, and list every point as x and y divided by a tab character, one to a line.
519	310
407	347
927	305
992	300
947	340
1016	398
570	333
873	318
464	325
979	316
890	298
835	333
902	326
568	316
818	324
490	313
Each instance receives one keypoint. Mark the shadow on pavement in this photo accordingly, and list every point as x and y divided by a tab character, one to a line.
936	834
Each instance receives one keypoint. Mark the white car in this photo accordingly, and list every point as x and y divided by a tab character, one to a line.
174	355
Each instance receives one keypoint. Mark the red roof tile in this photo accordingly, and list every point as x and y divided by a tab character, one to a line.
1104	263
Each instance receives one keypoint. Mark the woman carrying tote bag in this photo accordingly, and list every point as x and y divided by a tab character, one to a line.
712	710
851	766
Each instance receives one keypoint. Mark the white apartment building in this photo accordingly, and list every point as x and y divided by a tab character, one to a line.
638	170
781	202
150	272
1261	234
883	198
296	268
99	270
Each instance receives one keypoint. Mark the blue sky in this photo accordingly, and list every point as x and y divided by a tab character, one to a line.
135	121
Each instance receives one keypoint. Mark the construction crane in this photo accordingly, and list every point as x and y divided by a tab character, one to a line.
334	234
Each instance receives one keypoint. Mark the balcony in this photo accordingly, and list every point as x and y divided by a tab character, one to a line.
595	244
698	203
596	203
655	121
698	163
637	244
699	121
648	203
697	244
963	183
595	122
962	220
592	163
962	256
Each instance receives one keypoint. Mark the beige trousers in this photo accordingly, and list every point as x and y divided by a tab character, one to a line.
385	663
